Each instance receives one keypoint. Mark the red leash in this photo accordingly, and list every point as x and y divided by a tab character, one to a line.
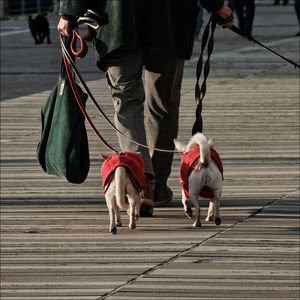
70	65
83	46
82	52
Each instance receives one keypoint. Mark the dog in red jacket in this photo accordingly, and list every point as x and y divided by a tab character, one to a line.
123	176
201	174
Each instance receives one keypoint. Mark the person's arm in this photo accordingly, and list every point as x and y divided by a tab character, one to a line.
225	12
71	9
65	24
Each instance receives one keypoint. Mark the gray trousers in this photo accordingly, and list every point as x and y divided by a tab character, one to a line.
148	111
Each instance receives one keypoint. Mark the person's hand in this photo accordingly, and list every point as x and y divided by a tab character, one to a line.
224	13
65	25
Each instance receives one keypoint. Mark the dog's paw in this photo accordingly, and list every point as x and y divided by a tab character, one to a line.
218	221
113	230
197	224
189	212
209	218
132	226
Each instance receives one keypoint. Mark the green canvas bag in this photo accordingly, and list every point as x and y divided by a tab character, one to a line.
63	148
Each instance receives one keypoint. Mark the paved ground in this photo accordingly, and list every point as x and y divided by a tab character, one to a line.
54	235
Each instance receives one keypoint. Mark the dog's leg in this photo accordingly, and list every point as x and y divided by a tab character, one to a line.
194	200
132	205
134	200
216	211
194	190
112	220
210	212
118	216
186	205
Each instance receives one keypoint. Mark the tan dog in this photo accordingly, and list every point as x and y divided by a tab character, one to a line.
202	177
123	175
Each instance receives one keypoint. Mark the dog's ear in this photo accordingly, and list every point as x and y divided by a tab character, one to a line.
104	156
211	143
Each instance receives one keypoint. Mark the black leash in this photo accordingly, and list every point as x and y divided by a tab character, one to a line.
91	20
236	30
67	59
251	39
200	92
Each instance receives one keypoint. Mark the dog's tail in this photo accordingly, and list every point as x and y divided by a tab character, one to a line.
120	179
201	140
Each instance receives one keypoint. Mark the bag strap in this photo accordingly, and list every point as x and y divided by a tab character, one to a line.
67	42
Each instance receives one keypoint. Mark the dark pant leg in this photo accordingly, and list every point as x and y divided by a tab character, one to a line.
163	77
124	76
249	16
297	9
239	10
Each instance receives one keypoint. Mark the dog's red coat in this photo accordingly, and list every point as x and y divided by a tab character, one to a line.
188	162
131	161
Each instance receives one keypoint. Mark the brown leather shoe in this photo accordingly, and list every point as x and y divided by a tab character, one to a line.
147	198
162	195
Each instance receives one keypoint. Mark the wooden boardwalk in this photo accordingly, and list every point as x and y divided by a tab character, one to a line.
54	235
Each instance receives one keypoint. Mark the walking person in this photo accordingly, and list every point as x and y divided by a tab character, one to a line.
245	11
297	10
277	2
155	36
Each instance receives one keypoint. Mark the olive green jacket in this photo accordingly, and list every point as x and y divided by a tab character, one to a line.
143	23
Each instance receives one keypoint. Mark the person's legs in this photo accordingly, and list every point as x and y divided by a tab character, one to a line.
239	10
163	77
297	10
124	76
249	16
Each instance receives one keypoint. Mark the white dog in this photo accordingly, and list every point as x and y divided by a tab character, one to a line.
123	175
200	174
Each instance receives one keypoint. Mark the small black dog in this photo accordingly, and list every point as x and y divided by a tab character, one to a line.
39	28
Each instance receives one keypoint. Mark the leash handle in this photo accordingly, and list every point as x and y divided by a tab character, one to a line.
81	53
219	20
